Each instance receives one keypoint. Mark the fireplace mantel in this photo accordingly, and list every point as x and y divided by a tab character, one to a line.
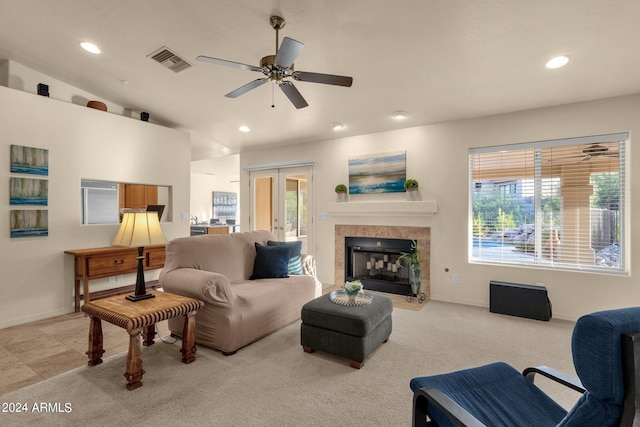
396	208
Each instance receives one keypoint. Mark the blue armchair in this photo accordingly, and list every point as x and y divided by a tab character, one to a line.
606	356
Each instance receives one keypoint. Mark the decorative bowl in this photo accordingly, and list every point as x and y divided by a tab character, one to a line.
97	105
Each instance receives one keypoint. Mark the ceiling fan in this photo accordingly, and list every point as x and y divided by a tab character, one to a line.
279	67
583	153
596	150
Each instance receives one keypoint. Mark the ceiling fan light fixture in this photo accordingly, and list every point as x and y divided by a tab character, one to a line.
400	115
244	128
337	126
279	67
557	62
91	48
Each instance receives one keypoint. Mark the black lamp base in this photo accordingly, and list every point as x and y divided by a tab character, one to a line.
141	288
134	297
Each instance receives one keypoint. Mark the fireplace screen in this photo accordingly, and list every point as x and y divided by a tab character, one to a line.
375	262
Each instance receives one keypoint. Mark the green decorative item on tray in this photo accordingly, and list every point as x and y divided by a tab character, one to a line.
353	288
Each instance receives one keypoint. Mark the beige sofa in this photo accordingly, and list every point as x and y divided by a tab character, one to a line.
216	269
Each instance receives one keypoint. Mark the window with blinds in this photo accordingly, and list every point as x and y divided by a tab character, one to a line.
554	204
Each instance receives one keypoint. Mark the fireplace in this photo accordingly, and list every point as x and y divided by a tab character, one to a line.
422	235
376	263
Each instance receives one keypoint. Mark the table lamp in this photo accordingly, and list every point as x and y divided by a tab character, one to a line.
139	229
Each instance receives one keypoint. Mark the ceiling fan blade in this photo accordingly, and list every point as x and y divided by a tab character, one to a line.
228	63
294	96
328	79
288	52
246	88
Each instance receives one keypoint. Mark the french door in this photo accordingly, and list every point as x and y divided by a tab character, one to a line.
281	202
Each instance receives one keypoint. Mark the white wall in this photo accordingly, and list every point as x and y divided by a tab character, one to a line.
437	156
37	278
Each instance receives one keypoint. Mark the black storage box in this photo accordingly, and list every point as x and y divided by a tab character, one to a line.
519	300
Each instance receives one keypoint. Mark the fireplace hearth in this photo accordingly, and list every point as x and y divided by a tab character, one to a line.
376	263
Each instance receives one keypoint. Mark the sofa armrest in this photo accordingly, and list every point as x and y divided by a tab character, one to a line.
212	288
309	269
308	264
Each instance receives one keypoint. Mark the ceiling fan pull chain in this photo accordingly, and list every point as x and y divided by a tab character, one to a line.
273	101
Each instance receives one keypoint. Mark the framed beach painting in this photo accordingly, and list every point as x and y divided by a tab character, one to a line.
29	223
28	191
378	172
29	160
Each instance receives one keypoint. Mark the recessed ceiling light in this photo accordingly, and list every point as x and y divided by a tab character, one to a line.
90	47
336	126
399	115
244	128
557	62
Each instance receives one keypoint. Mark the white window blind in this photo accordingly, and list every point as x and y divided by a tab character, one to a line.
556	204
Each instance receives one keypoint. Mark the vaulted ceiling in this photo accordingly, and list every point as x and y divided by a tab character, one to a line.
439	60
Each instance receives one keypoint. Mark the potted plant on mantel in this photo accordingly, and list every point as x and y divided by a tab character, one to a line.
341	191
411	187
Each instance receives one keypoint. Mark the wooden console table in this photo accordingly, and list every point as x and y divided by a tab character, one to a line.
98	263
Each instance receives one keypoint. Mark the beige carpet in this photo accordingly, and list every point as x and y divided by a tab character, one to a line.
274	383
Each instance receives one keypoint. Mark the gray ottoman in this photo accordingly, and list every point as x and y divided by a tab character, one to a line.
350	332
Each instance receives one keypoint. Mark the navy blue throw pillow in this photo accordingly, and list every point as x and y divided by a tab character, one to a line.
271	262
295	258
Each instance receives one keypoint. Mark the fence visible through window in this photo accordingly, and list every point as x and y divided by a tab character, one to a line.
558	204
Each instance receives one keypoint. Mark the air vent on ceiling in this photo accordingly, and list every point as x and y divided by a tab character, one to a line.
170	60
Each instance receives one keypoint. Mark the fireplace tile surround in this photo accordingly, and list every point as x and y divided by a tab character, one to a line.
421	234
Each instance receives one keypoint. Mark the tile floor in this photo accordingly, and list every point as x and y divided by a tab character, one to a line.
39	350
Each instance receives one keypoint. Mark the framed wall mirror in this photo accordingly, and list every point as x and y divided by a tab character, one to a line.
104	202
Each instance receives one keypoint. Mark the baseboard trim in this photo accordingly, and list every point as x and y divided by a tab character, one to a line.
35	318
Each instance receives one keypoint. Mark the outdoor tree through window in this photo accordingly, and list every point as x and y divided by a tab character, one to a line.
557	204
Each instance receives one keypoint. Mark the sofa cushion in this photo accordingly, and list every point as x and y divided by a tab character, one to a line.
295	257
271	262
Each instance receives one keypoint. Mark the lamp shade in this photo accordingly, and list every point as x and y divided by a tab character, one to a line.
139	229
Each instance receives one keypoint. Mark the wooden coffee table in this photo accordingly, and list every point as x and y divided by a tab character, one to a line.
140	317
